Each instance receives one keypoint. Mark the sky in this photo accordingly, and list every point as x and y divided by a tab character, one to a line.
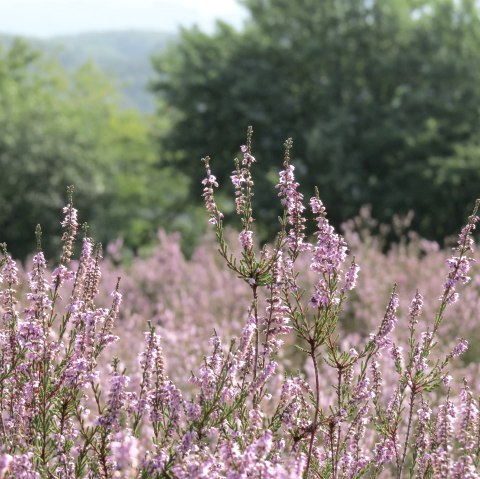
46	18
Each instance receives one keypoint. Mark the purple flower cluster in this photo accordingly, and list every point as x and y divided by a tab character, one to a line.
209	183
242	179
292	201
461	263
296	395
328	257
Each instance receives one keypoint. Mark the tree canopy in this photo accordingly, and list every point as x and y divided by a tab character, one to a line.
381	98
60	129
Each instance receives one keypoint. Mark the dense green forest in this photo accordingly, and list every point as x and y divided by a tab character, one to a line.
381	99
61	128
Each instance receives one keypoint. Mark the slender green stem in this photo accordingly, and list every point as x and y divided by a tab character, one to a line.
315	418
405	445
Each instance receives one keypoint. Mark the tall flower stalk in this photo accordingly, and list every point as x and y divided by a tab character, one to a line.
293	396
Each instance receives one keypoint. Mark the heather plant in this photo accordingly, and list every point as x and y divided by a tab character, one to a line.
348	406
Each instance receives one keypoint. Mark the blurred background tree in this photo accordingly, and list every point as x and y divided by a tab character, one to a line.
60	129
381	98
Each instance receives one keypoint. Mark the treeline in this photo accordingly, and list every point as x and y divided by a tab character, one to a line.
59	129
381	98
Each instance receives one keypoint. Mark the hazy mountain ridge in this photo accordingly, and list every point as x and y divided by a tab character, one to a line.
125	55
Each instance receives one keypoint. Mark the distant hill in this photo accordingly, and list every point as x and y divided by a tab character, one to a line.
124	55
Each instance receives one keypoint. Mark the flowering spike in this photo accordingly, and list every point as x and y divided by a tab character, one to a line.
292	201
70	224
209	183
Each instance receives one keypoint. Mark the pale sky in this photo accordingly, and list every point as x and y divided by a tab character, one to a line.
44	18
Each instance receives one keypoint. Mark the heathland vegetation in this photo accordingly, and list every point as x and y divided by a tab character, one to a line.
265	338
304	391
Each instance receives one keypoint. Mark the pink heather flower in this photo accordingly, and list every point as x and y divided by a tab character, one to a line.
91	319
441	457
317	206
470	419
209	183
105	336
362	391
148	357
459	268
21	467
165	400
421	350
124	453
292	200
116	401
293	389
415	309
452	298
9	275
193	410
39	265
86	258
155	464
393	406
31	335
9	271
276	320
78	372
397	356
384	452
328	255
256	418
321	296
460	348
351	277
243	182
61	274
39	298
71	215
87	250
422	438
299	466
266	374
66	464
5	460
209	371
151	361
388	323
446	380
465	240
238	180
424	415
91	279
346	464
70	224
246	239
248	159
246	339
465	467
460	265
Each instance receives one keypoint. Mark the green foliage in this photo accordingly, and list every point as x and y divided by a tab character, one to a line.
123	55
60	129
381	98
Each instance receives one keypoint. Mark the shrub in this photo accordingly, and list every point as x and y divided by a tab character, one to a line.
363	409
